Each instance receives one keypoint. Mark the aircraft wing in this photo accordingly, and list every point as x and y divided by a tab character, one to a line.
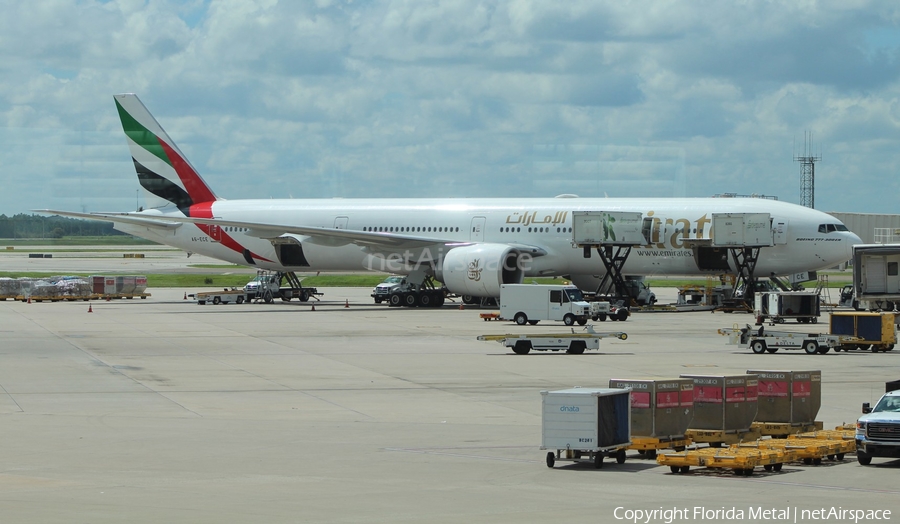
139	220
374	241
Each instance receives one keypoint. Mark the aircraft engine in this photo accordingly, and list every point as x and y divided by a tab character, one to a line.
588	283
480	269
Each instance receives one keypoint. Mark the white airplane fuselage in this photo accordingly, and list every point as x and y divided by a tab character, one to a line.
800	244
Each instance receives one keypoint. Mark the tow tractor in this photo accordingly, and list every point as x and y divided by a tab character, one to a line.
267	287
233	296
762	341
572	343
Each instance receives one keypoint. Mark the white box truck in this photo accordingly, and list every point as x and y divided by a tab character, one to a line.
529	303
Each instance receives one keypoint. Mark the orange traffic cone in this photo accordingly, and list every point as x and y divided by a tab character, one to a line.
29	299
90	308
185	295
461	306
347	303
313	307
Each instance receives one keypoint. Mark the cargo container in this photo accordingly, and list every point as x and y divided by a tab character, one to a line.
788	396
724	403
98	284
586	424
124	285
660	408
140	284
875	330
776	306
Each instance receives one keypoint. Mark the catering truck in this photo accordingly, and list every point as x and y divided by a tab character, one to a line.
530	303
876	276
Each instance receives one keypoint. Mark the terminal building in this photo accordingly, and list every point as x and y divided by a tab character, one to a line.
872	228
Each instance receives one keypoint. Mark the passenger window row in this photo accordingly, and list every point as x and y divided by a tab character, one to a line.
411	229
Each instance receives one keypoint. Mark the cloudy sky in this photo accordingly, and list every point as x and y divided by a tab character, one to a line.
456	98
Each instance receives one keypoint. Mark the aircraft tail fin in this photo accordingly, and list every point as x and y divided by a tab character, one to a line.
162	168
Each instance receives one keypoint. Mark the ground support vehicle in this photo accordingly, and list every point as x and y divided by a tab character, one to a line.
489	316
784	429
382	292
600	311
872	330
761	340
742	460
267	286
878	429
573	343
529	304
719	438
586	424
226	296
648	447
399	291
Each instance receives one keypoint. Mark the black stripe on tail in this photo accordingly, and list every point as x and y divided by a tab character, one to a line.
163	188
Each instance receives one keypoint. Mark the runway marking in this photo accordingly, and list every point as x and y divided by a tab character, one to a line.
13	399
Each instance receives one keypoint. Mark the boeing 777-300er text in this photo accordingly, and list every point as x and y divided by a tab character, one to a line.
472	245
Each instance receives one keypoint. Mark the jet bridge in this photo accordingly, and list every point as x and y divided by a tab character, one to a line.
613	234
742	235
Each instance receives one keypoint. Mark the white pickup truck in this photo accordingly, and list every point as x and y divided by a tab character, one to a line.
878	430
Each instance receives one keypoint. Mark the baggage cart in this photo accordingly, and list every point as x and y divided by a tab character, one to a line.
783	429
648	447
742	460
574	343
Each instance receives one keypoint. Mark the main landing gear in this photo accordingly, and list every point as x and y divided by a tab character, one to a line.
418	298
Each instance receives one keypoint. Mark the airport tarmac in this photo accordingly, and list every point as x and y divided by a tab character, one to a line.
161	410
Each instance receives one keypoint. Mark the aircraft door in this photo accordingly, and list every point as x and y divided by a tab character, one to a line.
341	222
215	233
476	234
780	231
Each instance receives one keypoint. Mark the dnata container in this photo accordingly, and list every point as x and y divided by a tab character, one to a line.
724	403
586	419
788	396
660	408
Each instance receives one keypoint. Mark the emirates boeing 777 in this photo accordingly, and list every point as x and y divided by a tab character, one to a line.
472	245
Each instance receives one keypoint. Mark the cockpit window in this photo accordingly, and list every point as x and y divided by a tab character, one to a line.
828	228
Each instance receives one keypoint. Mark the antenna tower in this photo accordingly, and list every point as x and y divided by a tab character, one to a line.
808	172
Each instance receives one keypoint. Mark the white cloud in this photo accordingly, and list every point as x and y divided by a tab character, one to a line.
341	98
